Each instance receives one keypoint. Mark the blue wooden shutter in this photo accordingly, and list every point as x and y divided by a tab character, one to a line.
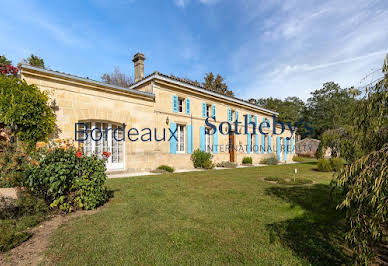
237	116
173	140
249	118
203	109
215	142
285	148
269	144
202	138
278	147
292	145
187	106
257	143
214	111
189	139
249	143
229	115
263	140
175	103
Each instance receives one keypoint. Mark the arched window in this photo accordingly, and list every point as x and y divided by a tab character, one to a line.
104	137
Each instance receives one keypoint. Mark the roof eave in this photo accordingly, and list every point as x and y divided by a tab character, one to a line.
156	75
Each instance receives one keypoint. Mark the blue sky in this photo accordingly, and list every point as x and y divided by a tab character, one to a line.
263	48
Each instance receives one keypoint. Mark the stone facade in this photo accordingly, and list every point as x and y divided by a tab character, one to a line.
149	104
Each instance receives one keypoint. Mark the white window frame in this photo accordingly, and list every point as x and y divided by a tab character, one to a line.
181	103
208	140
92	145
179	139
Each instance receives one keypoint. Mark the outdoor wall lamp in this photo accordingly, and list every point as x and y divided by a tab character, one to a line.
167	120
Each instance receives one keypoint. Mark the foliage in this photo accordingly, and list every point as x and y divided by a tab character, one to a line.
117	78
365	186
330	107
247	160
297	158
16	219
65	179
89	185
270	160
341	143
288	181
324	165
226	164
201	159
208	164
26	108
216	84
166	168
13	160
6	67
290	109
364	181
337	163
34	60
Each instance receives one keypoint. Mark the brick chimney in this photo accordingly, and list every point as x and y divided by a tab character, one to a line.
138	60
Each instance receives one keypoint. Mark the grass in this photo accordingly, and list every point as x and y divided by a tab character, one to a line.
17	218
227	216
289	181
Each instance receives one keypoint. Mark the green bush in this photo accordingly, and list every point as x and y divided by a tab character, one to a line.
270	161
201	159
226	164
247	160
27	107
166	168
324	165
67	180
208	164
297	159
337	163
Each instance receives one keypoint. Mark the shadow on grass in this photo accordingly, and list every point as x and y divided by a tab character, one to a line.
317	235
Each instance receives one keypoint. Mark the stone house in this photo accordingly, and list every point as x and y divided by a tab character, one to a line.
132	120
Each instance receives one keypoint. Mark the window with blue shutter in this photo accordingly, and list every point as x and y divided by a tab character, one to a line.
215	142
278	147
229	115
189	139
257	143
173	140
175	103
249	143
269	144
237	116
263	139
202	138
214	111
187	106
204	110
292	145
285	148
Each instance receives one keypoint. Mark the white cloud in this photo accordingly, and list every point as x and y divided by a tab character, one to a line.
295	46
181	3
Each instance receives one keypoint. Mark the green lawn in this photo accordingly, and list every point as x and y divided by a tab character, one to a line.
211	217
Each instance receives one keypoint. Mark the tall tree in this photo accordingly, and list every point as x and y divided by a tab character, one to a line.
290	109
117	78
330	107
34	60
364	181
216	84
